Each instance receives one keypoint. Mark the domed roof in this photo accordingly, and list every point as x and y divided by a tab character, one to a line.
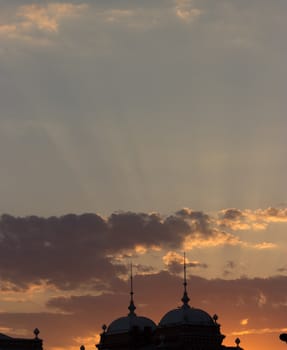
125	324
186	315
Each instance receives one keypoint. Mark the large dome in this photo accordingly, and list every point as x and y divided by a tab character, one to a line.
125	324
131	321
186	315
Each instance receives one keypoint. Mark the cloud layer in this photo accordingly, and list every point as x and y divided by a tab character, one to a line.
72	250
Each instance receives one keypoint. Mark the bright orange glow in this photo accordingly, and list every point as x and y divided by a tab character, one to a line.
244	322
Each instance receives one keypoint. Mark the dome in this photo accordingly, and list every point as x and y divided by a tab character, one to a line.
125	324
186	315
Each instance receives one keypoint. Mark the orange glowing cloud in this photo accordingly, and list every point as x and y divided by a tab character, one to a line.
172	257
219	239
140	249
174	261
89	341
265	245
47	17
259	331
27	19
247	219
244	322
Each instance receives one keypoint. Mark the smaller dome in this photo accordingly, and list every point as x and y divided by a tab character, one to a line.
125	324
186	315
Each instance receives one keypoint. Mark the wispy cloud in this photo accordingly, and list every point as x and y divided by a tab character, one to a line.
244	322
174	261
186	11
236	219
47	17
25	19
8	29
115	15
260	331
262	299
89	341
217	239
265	245
14	331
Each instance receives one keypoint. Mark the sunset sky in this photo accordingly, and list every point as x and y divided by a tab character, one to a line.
134	130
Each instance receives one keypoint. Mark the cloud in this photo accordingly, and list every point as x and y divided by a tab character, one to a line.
232	214
260	331
265	245
207	231
23	20
89	341
38	16
217	239
174	262
115	15
27	20
262	300
186	11
16	332
247	219
229	268
72	250
244	322
8	29
282	269
147	15
62	251
269	215
200	221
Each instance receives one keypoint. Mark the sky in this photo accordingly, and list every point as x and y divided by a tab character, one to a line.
134	130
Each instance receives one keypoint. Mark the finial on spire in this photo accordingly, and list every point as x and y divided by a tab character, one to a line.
132	305
185	299
36	332
237	342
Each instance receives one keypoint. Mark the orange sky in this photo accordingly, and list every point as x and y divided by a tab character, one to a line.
69	274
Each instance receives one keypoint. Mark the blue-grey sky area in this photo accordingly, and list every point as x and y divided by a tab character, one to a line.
161	124
142	105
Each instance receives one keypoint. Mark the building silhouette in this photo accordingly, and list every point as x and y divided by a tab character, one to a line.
183	328
10	343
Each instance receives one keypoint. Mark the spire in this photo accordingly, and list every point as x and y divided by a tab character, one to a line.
132	305
185	299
